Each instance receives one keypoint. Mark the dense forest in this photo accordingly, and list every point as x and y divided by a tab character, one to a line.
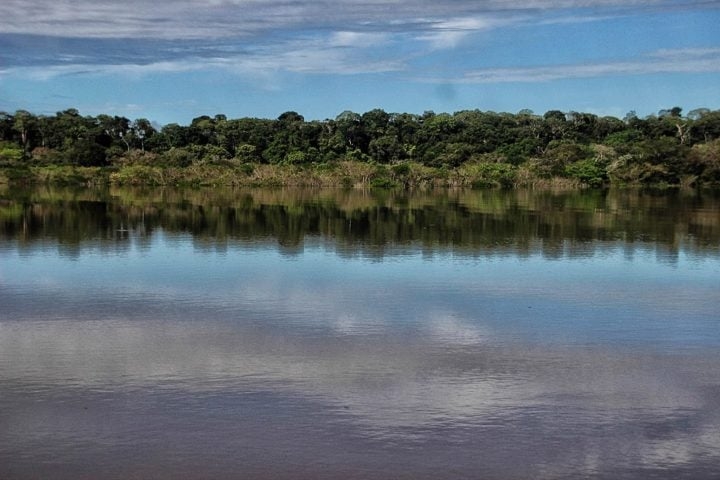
467	148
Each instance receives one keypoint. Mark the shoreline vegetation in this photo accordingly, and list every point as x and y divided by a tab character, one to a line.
376	149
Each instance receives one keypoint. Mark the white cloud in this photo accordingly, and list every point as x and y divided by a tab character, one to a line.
665	61
194	19
46	73
686	53
449	33
337	53
259	39
357	39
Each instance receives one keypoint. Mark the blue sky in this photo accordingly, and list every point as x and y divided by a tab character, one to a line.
172	61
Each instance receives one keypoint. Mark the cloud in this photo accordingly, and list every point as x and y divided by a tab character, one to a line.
449	33
263	38
703	60
193	19
686	53
342	52
357	39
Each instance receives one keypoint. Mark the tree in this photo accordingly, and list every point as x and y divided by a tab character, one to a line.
290	118
405	127
176	135
349	125
116	128
375	122
698	113
45	126
24	124
86	153
70	126
142	130
630	117
555	115
556	125
667	153
559	155
671	112
704	161
386	149
582	125
605	126
707	127
6	126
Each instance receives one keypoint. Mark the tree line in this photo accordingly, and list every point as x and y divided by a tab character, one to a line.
667	148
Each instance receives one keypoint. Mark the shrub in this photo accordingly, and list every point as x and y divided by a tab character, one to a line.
483	175
10	154
177	157
588	171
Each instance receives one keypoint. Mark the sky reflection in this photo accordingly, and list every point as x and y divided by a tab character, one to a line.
603	299
169	358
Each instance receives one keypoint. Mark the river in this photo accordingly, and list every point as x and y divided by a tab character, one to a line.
303	334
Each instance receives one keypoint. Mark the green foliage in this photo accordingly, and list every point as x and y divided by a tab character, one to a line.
589	171
383	182
494	175
426	149
11	155
401	169
68	175
246	153
382	178
624	140
246	168
704	162
519	152
386	149
213	154
296	158
177	157
85	153
138	175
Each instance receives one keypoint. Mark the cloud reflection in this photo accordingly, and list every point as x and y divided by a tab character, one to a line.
399	388
226	351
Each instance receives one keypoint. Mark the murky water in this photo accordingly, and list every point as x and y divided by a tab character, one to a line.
283	334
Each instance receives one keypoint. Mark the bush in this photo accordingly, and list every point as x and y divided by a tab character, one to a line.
401	169
704	161
177	157
559	155
296	158
138	175
383	182
85	153
69	175
10	154
484	175
588	171
214	155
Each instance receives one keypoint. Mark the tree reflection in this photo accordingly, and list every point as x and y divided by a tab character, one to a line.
486	222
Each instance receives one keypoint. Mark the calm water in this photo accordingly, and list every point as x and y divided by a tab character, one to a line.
283	334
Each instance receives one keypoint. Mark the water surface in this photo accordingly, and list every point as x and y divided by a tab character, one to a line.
329	334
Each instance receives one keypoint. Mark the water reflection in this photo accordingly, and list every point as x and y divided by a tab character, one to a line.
473	222
491	335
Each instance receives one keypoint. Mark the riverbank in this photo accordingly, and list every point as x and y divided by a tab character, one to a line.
346	174
343	174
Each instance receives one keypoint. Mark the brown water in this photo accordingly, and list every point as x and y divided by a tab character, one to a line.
285	334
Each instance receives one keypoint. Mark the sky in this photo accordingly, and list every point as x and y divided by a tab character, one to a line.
173	61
